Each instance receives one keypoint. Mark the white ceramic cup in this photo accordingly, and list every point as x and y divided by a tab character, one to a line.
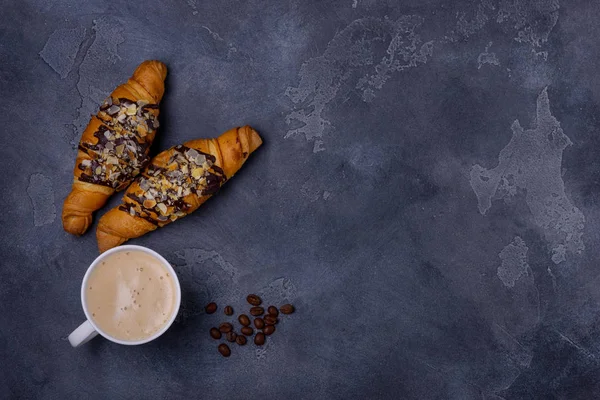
88	330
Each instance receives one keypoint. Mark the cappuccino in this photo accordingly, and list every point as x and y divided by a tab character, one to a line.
130	295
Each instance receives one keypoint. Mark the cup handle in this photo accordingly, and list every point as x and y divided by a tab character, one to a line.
82	334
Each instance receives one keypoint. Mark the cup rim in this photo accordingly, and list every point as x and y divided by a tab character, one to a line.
157	256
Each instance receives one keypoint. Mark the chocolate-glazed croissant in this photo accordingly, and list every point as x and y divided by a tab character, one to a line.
175	184
114	147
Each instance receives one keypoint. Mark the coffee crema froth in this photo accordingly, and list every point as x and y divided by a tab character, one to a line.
130	295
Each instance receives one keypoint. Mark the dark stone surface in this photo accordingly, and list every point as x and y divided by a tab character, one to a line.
427	196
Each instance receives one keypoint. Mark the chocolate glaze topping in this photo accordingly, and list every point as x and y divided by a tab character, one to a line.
162	193
121	150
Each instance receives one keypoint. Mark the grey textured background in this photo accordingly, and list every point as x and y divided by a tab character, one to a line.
427	196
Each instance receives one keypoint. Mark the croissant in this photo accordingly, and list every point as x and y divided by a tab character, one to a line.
175	184
114	147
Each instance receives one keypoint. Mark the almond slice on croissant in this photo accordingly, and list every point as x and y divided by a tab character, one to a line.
175	184
114	147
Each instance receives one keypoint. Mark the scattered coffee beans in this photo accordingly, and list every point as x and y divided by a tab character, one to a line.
231	336
254	300
269	329
225	327
215	333
244	320
241	340
224	350
265	323
259	323
247	331
256	311
210	308
286	309
259	339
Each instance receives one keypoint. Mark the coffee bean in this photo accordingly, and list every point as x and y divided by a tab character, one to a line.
259	339
228	310
270	320
241	340
247	331
257	311
244	320
215	333
286	309
210	308
253	299
259	323
224	350
225	327
269	329
273	311
231	336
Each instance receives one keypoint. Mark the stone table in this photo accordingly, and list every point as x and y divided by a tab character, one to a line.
427	197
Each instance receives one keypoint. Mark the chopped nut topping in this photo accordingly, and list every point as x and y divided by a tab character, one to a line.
131	109
149	203
162	208
163	190
121	150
